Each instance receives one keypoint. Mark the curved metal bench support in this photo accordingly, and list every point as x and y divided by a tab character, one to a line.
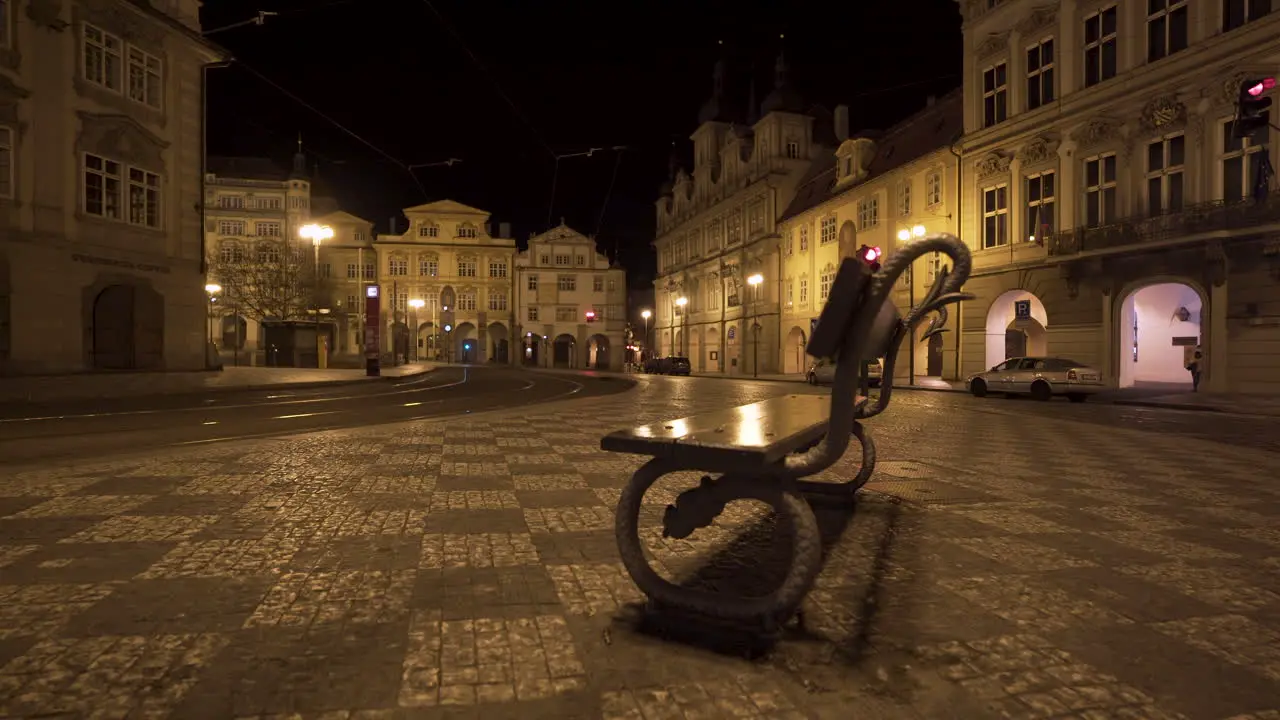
848	489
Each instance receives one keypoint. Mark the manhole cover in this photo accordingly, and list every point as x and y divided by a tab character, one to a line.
905	469
925	491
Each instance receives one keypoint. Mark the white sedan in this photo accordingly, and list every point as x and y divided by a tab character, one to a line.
1039	377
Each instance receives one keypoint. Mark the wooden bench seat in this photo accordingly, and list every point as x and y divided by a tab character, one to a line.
760	433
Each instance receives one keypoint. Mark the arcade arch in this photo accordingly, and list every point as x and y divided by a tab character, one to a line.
1159	331
793	352
1016	325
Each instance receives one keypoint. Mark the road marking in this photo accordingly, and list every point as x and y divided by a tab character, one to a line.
303	415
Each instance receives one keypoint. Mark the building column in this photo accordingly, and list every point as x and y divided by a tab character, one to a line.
1110	360
1214	343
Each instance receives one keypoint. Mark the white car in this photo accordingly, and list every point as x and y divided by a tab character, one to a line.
824	373
1039	377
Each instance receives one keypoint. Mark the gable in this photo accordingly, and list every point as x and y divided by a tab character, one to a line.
563	234
446	207
342	217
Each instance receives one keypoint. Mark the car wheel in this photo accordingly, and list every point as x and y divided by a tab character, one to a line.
1077	397
978	388
1041	391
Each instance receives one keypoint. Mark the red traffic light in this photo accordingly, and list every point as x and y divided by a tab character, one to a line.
1257	87
871	256
591	315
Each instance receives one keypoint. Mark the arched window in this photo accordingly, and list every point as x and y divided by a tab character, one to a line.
428	265
229	252
497	300
467	300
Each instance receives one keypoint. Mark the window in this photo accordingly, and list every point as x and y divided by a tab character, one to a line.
230	227
428	231
791	243
544	259
804	238
904	199
102	58
229	252
466	301
1040	74
1240	164
791	291
1236	13
824	286
734	223
562	260
566	283
793	150
326	271
269	253
6	149
466	231
144	198
351	303
713	295
804	291
353	271
1165	158
532	282
582	259
1041	193
497	300
146	78
1099	190
1166	28
532	314
102	183
597	284
231	202
398	267
370	272
358	236
827	230
995	94
566	314
995	216
497	269
267	203
267	229
429	268
1100	46
868	213
466	268
400	301
933	189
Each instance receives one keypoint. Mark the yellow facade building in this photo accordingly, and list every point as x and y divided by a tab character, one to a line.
101	144
1109	209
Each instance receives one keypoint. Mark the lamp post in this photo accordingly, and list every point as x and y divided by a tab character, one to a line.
646	314
212	289
905	235
754	281
414	305
681	302
317	234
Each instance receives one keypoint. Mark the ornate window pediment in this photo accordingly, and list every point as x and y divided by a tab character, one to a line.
1040	150
1097	131
1163	114
993	163
120	137
1038	20
995	44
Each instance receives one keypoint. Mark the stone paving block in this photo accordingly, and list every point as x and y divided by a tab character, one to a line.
222	558
568	519
143	528
301	599
469	593
43	610
478	551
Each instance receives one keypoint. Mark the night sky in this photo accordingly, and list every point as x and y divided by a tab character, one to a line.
506	86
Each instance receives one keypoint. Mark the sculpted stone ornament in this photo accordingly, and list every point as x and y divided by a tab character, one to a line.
742	460
1039	19
1041	149
992	45
1096	132
993	164
1163	113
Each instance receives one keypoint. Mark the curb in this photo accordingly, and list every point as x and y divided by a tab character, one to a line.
1168	406
236	388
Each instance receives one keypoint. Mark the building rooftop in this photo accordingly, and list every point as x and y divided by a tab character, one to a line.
247	168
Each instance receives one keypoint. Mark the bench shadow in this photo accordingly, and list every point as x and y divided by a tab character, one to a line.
753	564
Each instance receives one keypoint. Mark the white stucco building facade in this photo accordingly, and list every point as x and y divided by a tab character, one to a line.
101	127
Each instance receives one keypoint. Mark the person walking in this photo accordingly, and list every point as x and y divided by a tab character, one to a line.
1194	368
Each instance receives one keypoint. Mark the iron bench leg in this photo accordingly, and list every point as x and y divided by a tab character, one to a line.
848	489
771	610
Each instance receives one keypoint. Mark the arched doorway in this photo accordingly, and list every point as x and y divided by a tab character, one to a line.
1016	326
711	349
427	341
793	360
464	341
400	341
598	352
447	299
128	328
563	351
678	349
235	331
933	363
1159	329
531	349
499	341
731	351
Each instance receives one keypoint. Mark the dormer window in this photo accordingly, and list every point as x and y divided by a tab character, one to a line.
428	231
793	150
466	231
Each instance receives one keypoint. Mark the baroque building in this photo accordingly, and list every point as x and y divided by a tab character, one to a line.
881	190
448	259
348	264
571	303
718	281
1112	215
101	144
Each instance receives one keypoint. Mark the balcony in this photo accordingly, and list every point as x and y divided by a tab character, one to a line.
1201	219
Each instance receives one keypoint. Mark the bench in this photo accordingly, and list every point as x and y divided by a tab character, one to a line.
751	436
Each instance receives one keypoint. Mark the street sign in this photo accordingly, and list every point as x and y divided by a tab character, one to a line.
1022	310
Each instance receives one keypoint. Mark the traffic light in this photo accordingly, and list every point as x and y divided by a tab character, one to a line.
870	256
591	316
1252	119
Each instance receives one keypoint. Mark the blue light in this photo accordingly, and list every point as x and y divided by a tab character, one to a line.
466	346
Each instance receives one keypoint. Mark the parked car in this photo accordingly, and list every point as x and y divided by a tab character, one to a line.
823	372
669	366
1040	377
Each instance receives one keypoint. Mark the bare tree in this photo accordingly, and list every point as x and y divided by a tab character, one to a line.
273	280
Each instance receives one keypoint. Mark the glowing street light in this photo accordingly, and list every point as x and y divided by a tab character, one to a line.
414	305
684	321
646	314
212	289
755	281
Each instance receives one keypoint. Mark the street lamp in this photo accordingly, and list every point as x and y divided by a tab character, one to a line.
212	289
317	234
681	302
646	314
415	304
754	281
904	235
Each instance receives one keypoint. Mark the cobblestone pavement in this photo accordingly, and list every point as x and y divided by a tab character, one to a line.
1037	567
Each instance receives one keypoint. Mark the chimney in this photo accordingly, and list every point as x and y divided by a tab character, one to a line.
504	230
841	122
929	101
392	225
